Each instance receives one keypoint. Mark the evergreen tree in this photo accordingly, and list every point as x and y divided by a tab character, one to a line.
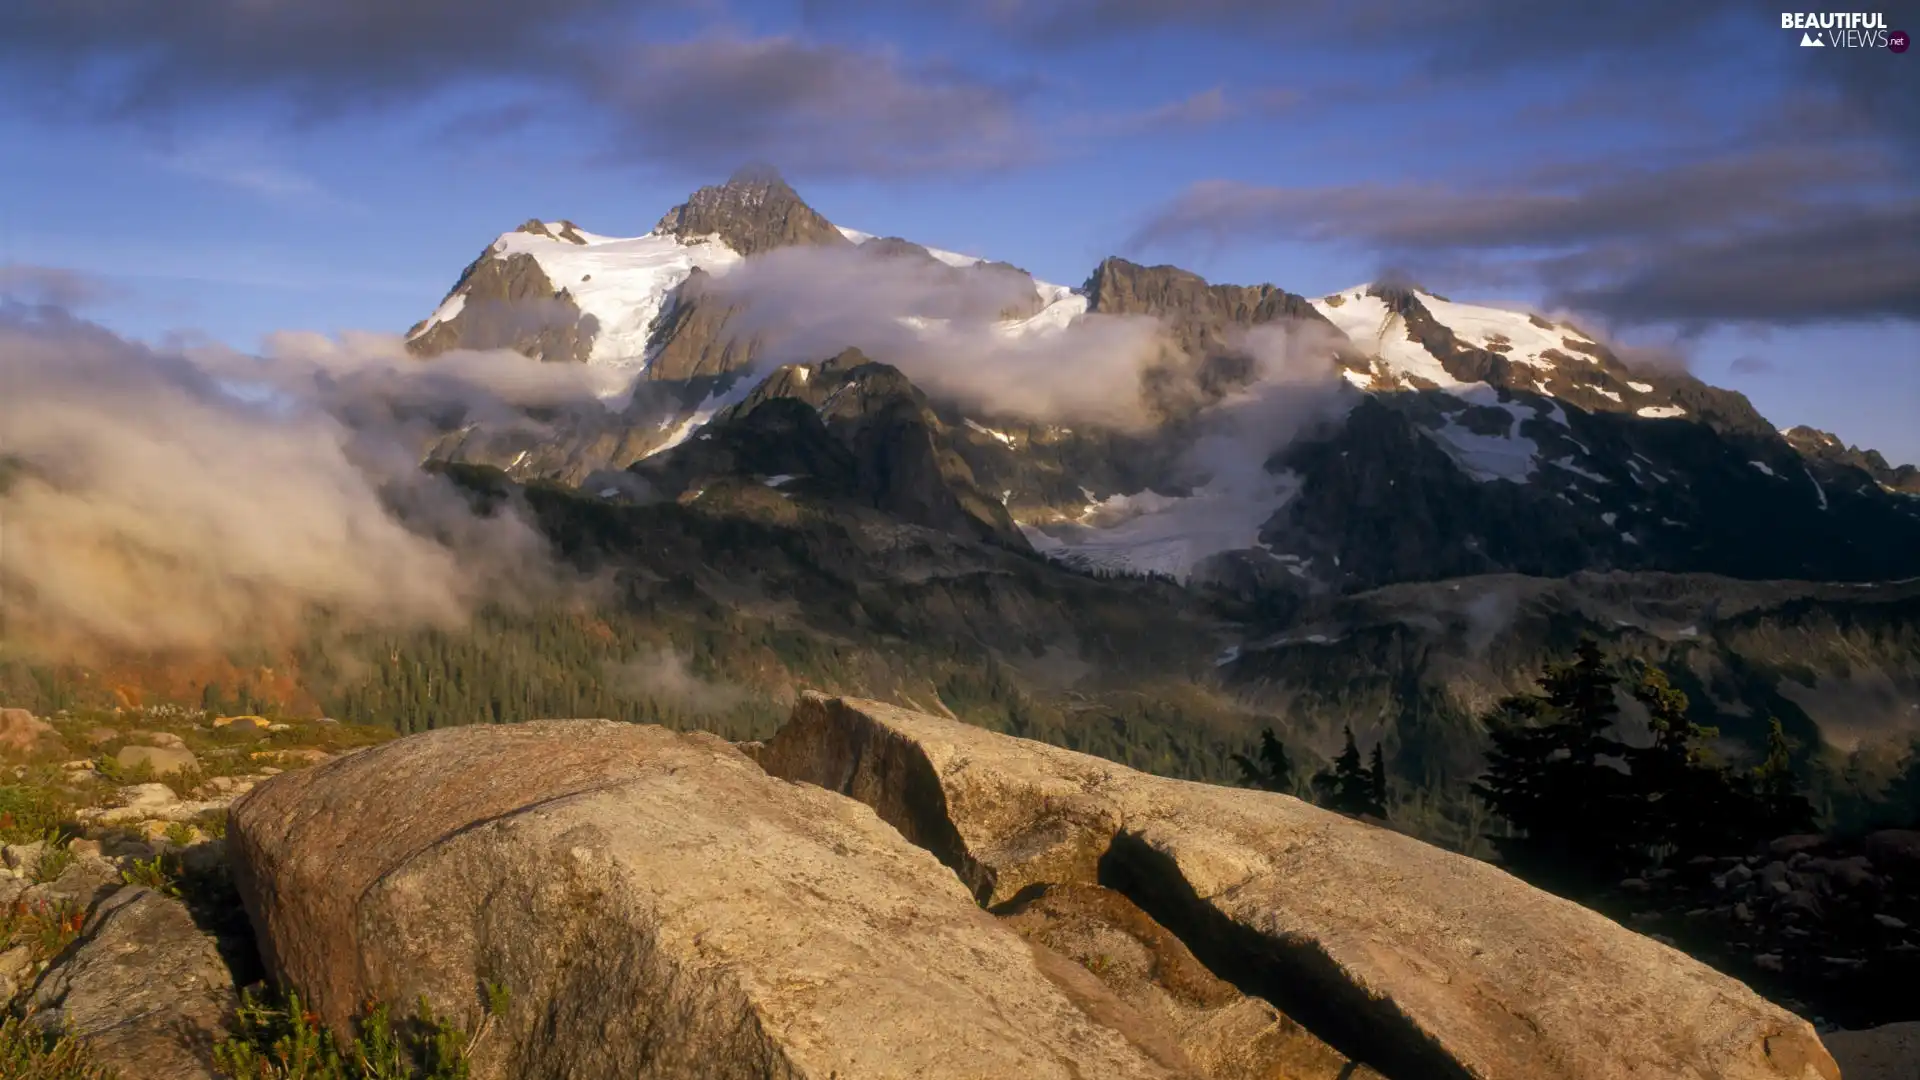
1571	811
1780	807
1346	787
1377	783
1269	769
1685	803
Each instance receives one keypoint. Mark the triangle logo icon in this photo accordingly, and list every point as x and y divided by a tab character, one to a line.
1808	41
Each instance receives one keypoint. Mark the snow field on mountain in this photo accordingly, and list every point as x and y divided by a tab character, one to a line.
1372	326
623	283
1481	327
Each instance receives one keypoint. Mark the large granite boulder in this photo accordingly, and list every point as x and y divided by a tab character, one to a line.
657	905
1418	961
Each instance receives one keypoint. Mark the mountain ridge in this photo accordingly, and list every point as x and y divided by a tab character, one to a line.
1493	440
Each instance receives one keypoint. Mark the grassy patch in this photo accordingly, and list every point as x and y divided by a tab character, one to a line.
30	1053
30	812
284	1041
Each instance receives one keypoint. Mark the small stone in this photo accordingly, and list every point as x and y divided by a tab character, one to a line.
1635	884
1742	912
279	727
83	763
1889	921
1799	842
21	856
163	760
125	847
16	962
100	736
1769	962
148	797
85	849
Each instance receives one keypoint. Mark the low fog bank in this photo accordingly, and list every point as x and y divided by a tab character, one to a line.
197	499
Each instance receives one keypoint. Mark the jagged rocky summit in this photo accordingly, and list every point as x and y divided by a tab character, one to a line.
881	893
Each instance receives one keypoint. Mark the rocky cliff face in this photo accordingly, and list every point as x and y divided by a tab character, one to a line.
1204	325
668	903
754	211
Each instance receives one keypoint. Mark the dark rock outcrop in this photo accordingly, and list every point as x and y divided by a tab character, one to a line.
1604	490
752	212
900	450
1826	448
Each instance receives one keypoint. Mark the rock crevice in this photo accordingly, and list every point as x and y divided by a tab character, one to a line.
1421	961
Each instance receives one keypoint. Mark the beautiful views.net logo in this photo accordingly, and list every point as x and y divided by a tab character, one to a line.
1844	30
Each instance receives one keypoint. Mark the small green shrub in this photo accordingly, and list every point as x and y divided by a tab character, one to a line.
31	1053
158	873
55	857
179	834
109	767
290	1043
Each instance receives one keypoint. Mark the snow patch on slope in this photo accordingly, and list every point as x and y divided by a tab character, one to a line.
1510	456
1482	327
1367	320
1147	532
449	309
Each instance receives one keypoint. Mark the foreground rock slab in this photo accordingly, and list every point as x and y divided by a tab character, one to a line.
145	989
657	905
1418	961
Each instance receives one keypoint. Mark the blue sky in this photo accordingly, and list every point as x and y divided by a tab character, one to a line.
1692	181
